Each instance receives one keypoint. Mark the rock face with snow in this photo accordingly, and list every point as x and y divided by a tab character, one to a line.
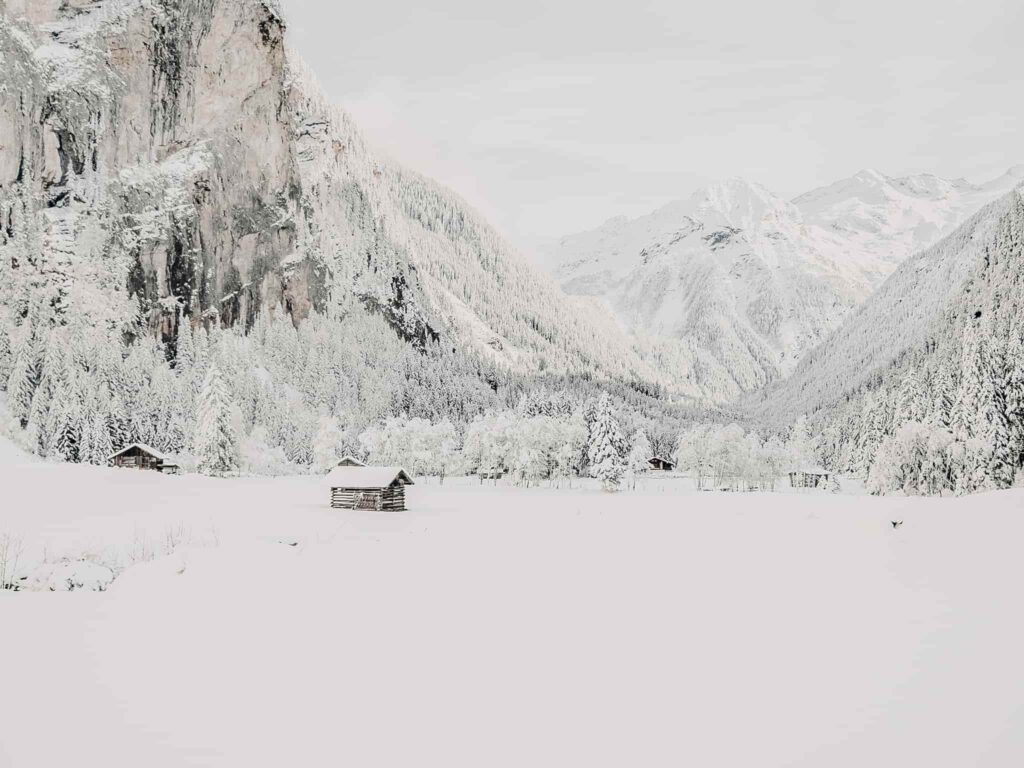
174	158
751	282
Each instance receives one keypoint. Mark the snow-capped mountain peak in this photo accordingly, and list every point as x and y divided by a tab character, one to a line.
753	281
743	204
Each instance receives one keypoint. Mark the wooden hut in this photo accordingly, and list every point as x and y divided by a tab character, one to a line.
375	488
808	477
350	461
142	456
660	464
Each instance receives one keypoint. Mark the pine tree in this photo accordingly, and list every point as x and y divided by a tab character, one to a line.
605	451
639	457
967	403
941	405
801	445
868	437
6	356
994	427
99	444
185	352
328	442
64	422
911	401
1013	386
216	444
25	376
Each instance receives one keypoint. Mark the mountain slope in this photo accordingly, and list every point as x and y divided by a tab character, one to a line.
172	158
753	281
932	363
899	317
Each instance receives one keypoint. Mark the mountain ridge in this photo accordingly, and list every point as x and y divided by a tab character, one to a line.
754	281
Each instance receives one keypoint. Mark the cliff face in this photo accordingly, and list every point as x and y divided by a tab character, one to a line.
169	140
172	158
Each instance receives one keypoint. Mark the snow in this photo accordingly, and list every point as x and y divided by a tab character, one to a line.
754	281
365	477
491	625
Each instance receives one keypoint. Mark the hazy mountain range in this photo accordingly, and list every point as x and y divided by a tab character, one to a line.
756	281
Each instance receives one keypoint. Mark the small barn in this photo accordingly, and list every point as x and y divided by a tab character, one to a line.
350	461
373	488
142	456
661	464
808	477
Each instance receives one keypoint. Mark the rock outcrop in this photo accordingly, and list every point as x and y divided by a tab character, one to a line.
173	159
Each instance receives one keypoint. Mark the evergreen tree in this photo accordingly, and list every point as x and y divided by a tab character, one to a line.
605	452
967	403
99	444
638	460
215	442
911	400
802	451
941	405
25	376
6	355
994	427
328	444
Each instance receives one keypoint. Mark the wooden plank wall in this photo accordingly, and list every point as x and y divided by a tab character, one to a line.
386	499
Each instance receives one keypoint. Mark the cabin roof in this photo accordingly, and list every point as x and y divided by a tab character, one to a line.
661	459
366	477
350	461
811	470
144	448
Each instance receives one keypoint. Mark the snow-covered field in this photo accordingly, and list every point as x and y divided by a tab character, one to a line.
509	627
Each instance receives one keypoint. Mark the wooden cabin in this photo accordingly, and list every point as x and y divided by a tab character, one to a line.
661	465
372	488
141	456
350	461
808	477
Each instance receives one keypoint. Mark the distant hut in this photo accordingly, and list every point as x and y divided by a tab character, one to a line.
808	477
142	456
350	461
660	464
362	487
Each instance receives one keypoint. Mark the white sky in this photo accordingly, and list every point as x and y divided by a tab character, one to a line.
552	116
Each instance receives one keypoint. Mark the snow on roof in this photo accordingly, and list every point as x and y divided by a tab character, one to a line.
142	447
661	458
366	477
350	461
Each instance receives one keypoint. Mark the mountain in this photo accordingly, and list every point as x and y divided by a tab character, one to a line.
174	158
751	281
925	381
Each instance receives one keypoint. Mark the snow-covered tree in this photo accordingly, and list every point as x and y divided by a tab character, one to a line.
215	441
605	452
572	442
328	444
26	373
693	453
801	446
638	460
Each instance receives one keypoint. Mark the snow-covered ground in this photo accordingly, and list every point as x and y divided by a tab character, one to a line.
495	626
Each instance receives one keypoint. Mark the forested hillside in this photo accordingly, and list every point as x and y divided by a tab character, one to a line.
923	389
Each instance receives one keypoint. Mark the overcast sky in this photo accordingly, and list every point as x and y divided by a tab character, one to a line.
552	116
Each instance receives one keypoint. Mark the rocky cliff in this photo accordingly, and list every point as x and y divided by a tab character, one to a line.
173	159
